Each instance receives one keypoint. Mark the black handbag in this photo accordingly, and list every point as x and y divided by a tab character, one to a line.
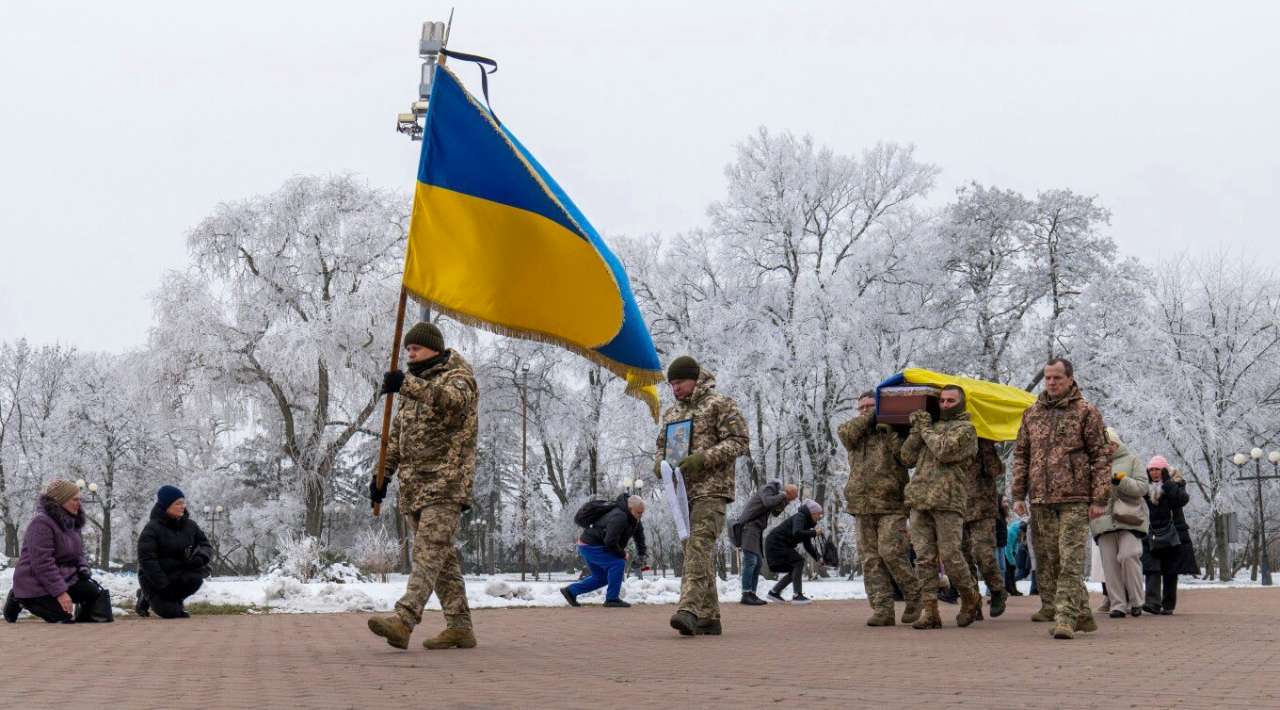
97	611
830	555
1165	538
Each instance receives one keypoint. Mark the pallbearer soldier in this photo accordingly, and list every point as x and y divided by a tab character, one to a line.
980	520
433	449
874	495
719	436
941	452
1062	463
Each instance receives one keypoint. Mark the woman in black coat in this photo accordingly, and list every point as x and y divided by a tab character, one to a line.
1165	500
173	557
780	550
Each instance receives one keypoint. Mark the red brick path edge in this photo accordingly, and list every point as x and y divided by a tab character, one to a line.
1219	651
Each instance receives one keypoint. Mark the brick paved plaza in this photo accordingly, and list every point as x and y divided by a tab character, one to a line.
1219	651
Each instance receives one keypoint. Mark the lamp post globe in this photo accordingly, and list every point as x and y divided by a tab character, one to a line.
1274	457
1256	453
1239	459
93	488
79	483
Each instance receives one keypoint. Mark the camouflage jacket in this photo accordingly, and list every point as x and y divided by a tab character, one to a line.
1062	454
876	472
719	434
982	481
433	437
942	454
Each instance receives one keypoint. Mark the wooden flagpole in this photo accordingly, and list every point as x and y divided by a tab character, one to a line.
381	476
391	398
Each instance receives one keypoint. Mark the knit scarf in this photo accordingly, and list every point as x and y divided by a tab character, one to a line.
1154	491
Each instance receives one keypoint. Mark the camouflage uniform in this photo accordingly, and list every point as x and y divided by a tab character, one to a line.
874	496
980	518
1062	463
941	453
720	435
433	450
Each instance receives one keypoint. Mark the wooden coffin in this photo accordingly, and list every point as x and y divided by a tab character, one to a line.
897	403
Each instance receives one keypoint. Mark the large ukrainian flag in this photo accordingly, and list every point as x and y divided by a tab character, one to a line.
995	409
495	242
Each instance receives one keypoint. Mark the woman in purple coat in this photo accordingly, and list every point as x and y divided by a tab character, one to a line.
52	577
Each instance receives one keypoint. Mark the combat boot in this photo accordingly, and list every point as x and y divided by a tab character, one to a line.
929	619
882	617
1063	631
451	638
709	627
391	628
1087	624
970	608
998	599
1046	613
684	622
911	612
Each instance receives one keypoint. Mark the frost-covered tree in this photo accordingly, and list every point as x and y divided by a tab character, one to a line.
289	302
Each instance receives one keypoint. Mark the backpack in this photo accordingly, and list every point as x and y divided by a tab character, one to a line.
591	511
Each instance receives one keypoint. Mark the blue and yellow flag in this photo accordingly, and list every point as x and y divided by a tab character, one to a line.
995	409
496	243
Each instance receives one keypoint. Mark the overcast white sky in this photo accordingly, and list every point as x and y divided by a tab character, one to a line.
123	124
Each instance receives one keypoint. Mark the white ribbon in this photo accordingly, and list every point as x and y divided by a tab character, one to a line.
677	498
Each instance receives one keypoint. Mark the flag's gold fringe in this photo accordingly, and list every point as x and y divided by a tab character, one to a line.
635	379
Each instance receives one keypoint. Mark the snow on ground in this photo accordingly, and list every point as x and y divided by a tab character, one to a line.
279	594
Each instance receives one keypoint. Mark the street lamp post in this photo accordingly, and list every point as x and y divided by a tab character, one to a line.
1264	564
524	470
213	515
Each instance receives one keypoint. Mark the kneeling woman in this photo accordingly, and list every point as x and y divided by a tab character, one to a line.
780	550
173	557
52	578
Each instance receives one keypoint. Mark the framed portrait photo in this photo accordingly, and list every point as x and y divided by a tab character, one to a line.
679	436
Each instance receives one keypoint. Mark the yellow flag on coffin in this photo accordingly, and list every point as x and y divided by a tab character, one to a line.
495	242
995	409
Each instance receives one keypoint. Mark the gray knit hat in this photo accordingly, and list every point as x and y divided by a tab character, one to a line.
61	491
812	506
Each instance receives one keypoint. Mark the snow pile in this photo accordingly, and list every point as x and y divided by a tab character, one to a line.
342	573
500	588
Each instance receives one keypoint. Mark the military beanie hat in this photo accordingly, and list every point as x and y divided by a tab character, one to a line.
683	368
427	335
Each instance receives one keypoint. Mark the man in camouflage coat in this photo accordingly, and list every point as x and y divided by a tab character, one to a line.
719	438
877	477
1062	464
433	450
942	453
982	483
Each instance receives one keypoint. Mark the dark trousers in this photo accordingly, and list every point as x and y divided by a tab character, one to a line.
750	571
84	593
167	602
1162	591
606	569
795	577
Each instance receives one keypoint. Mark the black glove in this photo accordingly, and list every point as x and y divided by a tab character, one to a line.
376	494
392	382
198	560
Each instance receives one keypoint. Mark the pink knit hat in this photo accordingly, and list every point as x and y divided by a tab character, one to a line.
1158	462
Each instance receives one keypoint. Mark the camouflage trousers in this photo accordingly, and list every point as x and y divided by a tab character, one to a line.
1059	535
882	540
980	552
698	594
936	536
437	567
